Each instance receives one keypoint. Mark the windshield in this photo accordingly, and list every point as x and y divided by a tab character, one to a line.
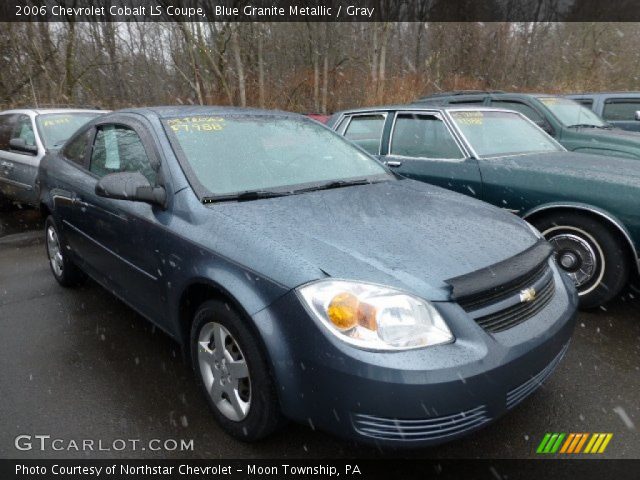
232	154
571	113
496	134
56	128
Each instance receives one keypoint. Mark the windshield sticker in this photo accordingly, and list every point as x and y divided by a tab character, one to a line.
56	121
469	118
196	124
549	101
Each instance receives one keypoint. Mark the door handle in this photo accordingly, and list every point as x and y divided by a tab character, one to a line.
79	203
393	164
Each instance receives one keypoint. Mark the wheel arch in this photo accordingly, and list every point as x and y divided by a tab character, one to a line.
594	212
194	294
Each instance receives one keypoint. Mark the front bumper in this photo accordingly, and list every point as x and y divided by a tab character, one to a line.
417	397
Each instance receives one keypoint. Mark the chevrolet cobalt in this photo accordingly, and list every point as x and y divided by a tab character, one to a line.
303	279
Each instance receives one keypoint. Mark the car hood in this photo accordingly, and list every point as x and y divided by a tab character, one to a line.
574	165
402	233
613	136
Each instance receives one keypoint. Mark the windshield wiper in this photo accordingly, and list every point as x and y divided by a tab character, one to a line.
588	125
258	194
244	196
336	184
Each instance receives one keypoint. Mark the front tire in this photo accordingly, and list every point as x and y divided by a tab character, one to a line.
233	373
64	270
589	252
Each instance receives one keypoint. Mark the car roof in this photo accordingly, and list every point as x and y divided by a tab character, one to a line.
483	94
176	111
418	107
608	94
42	111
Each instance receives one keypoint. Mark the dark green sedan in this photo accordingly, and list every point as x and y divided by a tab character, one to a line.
587	206
576	127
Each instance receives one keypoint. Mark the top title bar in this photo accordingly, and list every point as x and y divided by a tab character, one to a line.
319	10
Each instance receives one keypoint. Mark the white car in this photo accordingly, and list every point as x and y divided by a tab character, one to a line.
25	136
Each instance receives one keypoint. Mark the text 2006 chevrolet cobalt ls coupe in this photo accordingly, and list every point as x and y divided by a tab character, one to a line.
304	279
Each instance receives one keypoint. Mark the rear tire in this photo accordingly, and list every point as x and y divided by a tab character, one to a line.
590	252
233	373
64	270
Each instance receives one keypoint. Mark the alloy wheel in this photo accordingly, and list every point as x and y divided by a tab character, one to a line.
54	251
224	371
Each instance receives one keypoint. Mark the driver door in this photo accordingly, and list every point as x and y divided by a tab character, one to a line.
123	248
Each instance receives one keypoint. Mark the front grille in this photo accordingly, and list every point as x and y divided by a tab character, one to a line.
435	428
520	312
483	299
518	394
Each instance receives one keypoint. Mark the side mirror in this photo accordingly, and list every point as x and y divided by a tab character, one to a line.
20	145
132	186
638	115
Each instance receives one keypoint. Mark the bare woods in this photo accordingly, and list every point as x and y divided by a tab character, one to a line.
318	67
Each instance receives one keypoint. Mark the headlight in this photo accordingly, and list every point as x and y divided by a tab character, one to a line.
375	317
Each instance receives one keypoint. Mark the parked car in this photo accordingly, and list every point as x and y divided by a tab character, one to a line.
318	117
304	279
577	128
587	206
620	109
25	135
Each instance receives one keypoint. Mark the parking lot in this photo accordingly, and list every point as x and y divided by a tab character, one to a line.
79	364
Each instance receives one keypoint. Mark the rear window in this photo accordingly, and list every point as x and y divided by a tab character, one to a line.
56	128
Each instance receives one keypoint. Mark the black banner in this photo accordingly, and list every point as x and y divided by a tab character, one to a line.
389	469
319	10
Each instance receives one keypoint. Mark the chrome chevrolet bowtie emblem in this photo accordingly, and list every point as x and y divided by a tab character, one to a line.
528	295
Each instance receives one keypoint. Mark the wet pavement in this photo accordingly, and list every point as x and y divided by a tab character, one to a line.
79	364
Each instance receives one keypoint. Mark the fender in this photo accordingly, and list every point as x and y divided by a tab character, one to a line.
611	219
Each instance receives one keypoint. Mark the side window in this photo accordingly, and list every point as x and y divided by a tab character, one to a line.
23	128
423	136
76	150
621	109
366	131
119	149
6	128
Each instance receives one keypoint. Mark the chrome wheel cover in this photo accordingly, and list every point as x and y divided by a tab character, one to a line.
224	371
54	251
579	255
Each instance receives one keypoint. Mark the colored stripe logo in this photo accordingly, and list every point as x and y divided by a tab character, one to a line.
573	443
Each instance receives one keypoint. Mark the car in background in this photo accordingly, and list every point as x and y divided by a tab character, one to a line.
25	136
586	206
318	117
303	278
574	126
620	109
